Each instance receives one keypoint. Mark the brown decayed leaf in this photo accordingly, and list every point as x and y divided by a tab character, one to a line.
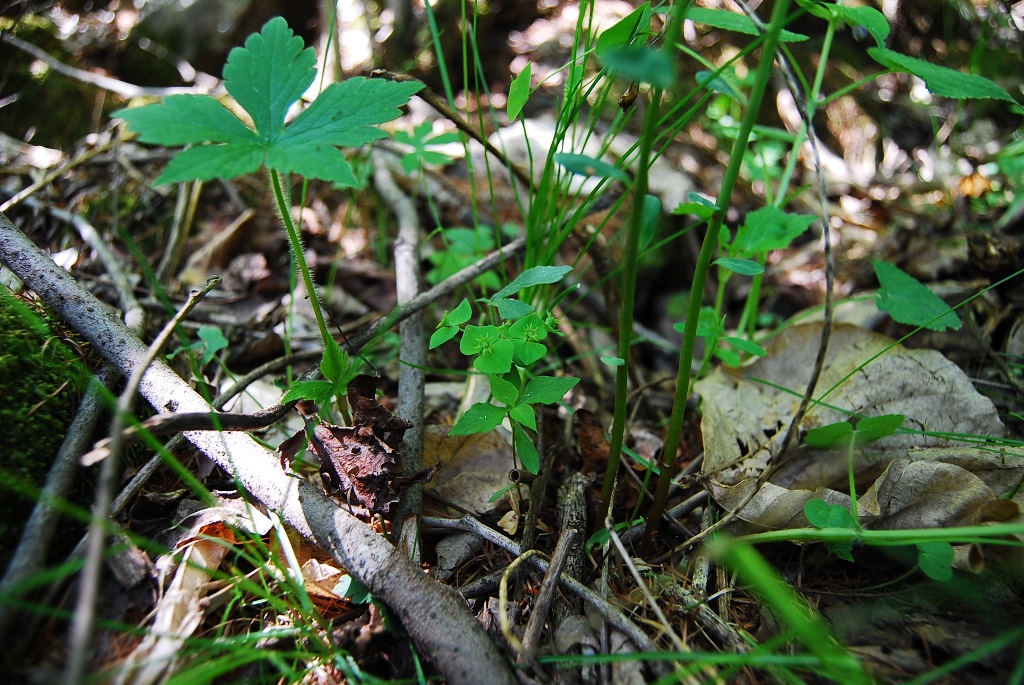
904	480
361	460
594	448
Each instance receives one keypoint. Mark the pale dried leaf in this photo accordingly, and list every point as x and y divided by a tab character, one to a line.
904	480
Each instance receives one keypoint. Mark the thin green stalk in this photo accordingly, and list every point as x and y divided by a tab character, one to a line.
629	277
296	244
707	251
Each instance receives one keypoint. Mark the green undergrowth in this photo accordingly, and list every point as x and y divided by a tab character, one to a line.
41	381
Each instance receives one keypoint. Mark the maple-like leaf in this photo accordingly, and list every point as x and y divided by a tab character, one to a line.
266	78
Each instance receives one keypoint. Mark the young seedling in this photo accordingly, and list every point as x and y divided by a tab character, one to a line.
502	353
266	78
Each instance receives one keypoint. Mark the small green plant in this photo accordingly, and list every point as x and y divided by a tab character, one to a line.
266	78
934	558
503	353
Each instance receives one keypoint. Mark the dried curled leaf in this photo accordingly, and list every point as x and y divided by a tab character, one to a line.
906	480
361	460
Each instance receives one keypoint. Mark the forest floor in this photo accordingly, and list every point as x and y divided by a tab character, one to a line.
764	567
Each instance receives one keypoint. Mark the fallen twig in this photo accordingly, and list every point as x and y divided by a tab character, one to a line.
437	620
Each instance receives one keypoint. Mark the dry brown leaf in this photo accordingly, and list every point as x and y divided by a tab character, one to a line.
473	467
904	481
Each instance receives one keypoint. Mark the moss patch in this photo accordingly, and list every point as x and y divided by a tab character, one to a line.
41	382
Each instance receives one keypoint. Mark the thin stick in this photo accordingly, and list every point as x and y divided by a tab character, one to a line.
430	613
85	607
412	342
531	638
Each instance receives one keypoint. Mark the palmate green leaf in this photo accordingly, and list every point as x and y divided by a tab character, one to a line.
268	75
207	162
878	427
909	301
837	434
942	81
187	119
213	341
821	514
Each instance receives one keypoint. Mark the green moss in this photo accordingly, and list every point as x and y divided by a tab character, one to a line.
41	381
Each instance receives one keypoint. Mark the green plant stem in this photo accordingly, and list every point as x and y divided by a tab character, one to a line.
707	251
300	259
853	484
989	534
626	308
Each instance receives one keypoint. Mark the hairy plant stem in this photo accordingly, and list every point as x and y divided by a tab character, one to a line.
707	251
300	259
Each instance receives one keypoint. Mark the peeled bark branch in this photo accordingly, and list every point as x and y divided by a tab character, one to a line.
438	621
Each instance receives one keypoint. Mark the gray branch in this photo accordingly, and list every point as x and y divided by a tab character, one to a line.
439	622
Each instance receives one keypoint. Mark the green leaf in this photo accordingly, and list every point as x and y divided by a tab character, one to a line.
510	310
420	138
583	165
641	63
480	418
525	415
547	389
443	335
319	392
528	353
908	301
494	350
942	81
833	435
821	514
538	275
936	560
716	82
526	449
519	92
345	114
635	24
731	21
745	346
352	590
613	361
460	314
743	267
530	327
206	162
187	119
868	18
649	219
699	210
877	427
769	228
268	75
505	392
213	342
334	362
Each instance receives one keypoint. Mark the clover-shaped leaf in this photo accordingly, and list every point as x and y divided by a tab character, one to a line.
266	78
